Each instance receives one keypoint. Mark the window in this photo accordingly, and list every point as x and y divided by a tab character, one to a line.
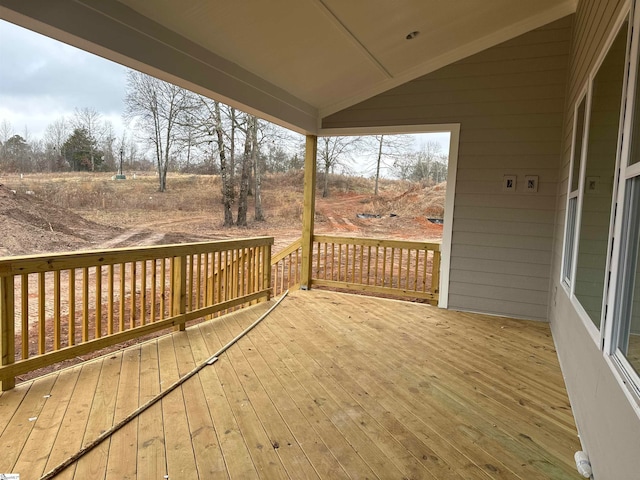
598	180
627	317
574	182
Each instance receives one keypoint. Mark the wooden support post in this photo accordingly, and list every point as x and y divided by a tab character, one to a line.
179	293
308	214
7	333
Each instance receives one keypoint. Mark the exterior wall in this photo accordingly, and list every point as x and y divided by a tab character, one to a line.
509	101
609	428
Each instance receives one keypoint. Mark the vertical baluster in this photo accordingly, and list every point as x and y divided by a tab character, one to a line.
400	268
393	258
98	332
24	331
206	300
252	279
208	296
42	314
85	304
71	331
353	265
368	264
333	258
143	292
227	274
361	262
339	262
266	270
163	286
132	293
318	260
198	280
415	271
375	271
154	290
384	265
190	283
56	310
123	273
241	266
346	263
218	278
424	271
171	285
110	300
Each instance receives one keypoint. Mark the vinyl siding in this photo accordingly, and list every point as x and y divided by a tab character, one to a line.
509	101
609	428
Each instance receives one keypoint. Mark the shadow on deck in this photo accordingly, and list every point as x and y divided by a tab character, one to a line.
328	386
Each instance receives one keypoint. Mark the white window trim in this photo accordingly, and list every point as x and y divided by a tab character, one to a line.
599	334
583	96
626	375
450	194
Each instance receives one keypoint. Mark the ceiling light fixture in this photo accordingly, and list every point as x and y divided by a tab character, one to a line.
412	35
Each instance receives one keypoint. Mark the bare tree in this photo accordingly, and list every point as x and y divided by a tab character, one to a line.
251	126
429	164
387	148
158	107
55	135
334	151
227	184
257	167
90	120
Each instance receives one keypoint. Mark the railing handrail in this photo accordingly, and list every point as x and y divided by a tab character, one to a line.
295	245
377	242
26	264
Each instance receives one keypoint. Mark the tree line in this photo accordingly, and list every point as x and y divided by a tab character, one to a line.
174	129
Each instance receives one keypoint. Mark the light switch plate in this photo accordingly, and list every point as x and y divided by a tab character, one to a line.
531	183
509	183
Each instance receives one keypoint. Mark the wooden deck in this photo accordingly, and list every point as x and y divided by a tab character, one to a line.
328	386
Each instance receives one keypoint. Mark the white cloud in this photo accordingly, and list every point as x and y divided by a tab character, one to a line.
42	80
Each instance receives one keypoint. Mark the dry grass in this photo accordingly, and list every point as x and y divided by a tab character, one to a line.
192	204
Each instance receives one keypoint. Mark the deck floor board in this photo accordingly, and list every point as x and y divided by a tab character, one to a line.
328	386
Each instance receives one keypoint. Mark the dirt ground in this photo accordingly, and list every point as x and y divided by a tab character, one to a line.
35	216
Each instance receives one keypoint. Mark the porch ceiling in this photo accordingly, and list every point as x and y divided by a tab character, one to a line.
292	61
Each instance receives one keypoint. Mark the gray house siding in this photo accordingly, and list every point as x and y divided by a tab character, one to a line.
609	428
509	101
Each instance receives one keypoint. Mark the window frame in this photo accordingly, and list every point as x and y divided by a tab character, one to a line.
569	252
629	376
599	334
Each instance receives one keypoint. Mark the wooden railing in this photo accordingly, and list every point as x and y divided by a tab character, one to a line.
285	268
76	303
394	267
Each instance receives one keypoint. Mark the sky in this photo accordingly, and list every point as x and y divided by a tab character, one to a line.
43	80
